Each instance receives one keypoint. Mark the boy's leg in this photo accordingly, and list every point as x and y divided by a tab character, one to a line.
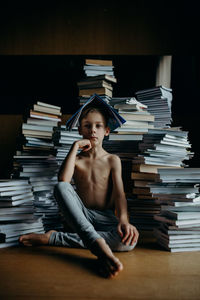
97	223
105	223
76	215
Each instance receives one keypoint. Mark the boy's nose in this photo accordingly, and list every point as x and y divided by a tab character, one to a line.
93	129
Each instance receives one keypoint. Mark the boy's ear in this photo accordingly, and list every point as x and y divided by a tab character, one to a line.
107	131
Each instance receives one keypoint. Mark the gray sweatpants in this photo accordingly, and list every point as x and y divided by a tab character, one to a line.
89	224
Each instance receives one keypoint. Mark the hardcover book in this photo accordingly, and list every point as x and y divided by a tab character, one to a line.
115	120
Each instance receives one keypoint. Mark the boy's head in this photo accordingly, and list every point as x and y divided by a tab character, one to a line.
93	124
90	109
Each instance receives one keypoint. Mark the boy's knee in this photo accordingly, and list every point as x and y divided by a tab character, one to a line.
116	243
124	248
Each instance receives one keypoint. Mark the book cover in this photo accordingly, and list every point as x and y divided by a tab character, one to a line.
115	119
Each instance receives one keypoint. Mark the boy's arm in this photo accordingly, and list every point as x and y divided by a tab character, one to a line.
128	232
67	168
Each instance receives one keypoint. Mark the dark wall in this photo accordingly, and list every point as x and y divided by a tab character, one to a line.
186	99
98	27
57	77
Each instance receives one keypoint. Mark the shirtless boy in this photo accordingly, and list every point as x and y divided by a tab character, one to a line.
97	210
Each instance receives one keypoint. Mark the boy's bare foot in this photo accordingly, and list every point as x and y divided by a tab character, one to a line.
109	264
33	239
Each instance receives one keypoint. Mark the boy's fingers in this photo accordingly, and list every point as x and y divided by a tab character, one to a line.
128	242
136	235
133	241
127	232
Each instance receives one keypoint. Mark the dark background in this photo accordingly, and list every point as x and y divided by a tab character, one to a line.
57	77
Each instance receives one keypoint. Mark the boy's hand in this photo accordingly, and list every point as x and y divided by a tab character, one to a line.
84	144
128	233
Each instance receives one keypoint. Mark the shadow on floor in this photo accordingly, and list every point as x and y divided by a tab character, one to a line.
79	257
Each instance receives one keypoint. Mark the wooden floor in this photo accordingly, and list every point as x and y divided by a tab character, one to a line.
60	273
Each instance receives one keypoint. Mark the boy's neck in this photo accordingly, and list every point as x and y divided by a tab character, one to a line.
95	152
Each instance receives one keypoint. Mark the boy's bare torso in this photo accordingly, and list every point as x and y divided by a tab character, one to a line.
93	181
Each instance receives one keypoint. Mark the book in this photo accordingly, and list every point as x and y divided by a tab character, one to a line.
155	92
12	182
130	105
102	62
26	126
16	192
100	91
115	120
179	223
179	207
98	68
48	110
44	116
106	77
136	116
131	130
145	176
144	168
180	215
48	105
124	136
135	123
94	84
13	188
34	121
10	203
37	133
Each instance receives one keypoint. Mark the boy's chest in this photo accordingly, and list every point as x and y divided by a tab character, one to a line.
92	170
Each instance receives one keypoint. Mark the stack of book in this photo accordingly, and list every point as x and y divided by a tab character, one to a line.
166	148
138	119
159	101
17	214
63	140
94	67
179	219
38	129
99	80
34	160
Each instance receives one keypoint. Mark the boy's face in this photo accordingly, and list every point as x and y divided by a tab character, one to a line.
92	127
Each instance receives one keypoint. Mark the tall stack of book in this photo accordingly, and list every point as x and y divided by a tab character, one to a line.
158	100
179	219
99	80
166	148
138	119
125	140
34	160
63	140
17	211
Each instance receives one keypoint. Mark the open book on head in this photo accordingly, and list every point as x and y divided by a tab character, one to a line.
115	120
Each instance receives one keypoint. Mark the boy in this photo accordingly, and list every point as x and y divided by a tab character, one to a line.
90	210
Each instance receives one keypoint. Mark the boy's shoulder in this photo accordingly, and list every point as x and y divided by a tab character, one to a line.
114	158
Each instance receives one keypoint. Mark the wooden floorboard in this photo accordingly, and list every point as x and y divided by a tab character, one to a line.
62	273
